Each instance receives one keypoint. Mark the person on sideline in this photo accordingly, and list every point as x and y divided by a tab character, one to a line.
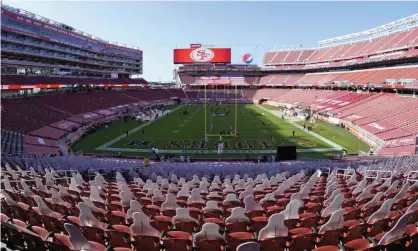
146	162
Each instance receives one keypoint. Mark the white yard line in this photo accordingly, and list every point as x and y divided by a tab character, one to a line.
111	142
243	151
329	142
105	147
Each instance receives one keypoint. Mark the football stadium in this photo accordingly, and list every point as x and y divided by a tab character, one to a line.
290	148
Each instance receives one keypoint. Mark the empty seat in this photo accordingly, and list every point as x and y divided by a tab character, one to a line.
330	233
274	235
386	241
209	238
146	237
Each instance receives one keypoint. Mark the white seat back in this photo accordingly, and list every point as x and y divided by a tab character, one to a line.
87	218
275	228
158	196
397	231
92	206
332	197
378	179
360	186
292	210
63	190
7	198
249	246
304	193
330	189
210	231
336	221
184	192
135	207
56	197
413	207
228	189
335	205
393	188
125	198
95	194
237	215
142	227
43	207
248	191
211	206
268	197
40	186
49	181
376	199
195	197
26	189
382	213
231	198
251	205
353	180
280	190
7	186
172	188
367	192
213	195
170	203
77	239
182	215
385	184
73	185
402	194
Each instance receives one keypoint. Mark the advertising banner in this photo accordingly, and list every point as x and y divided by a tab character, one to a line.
195	46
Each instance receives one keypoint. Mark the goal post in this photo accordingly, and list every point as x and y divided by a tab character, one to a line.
234	134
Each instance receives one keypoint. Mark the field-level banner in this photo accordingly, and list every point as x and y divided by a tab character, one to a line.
202	55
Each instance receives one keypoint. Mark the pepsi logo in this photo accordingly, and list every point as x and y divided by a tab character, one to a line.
247	58
202	55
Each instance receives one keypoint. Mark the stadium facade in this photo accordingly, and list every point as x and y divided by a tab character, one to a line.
366	81
102	202
35	45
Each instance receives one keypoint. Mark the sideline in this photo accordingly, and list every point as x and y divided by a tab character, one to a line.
105	147
329	142
255	151
111	142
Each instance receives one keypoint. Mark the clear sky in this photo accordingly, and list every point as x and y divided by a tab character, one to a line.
159	27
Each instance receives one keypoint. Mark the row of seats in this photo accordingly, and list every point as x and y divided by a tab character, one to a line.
36	80
403	54
388	44
386	115
12	142
378	77
30	113
281	211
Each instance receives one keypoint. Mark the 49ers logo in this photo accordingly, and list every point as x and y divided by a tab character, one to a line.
202	55
228	144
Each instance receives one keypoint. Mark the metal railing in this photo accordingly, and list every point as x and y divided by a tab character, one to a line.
374	174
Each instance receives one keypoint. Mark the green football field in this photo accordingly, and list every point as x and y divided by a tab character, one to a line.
183	132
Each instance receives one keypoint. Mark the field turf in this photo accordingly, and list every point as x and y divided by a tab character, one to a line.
259	133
